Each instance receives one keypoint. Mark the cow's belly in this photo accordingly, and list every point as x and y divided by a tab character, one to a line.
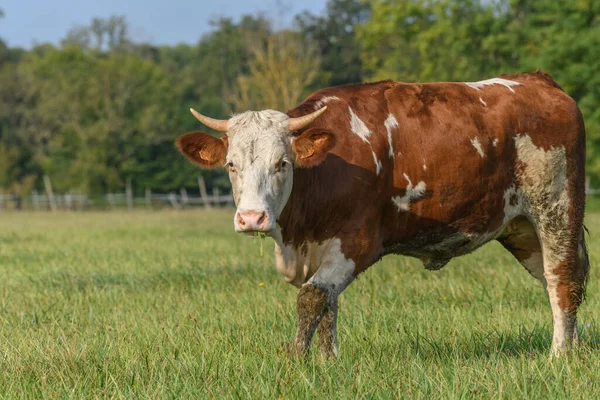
435	254
436	241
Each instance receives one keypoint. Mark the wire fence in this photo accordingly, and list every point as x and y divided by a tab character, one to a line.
73	201
110	201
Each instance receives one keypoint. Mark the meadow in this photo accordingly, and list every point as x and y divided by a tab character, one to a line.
174	304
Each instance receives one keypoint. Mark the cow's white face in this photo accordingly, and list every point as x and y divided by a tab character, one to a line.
260	154
260	163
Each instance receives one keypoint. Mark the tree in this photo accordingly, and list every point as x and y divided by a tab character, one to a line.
101	35
428	40
281	68
335	35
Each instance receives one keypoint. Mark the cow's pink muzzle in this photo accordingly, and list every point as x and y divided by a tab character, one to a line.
252	221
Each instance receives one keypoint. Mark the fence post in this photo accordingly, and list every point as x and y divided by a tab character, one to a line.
148	198
184	197
129	195
35	200
203	192
50	193
216	199
69	201
111	200
173	200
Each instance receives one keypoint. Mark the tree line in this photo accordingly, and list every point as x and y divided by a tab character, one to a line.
101	109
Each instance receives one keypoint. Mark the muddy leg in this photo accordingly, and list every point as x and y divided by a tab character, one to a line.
566	273
328	345
311	307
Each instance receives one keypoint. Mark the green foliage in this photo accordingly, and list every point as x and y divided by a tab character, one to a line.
176	305
101	109
429	40
335	35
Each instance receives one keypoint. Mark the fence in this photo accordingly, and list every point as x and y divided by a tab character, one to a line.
112	201
73	201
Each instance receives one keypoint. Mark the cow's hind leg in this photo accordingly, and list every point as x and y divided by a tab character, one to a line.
560	262
551	193
566	269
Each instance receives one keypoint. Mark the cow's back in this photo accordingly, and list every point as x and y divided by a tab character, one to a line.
429	170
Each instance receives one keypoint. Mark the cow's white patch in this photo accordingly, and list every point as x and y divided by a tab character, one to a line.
544	182
334	271
424	167
494	81
390	123
559	337
318	262
289	265
378	164
324	100
358	126
257	141
482	102
412	193
495	142
477	144
544	185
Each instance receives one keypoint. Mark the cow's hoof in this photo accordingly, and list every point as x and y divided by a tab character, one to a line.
329	354
292	351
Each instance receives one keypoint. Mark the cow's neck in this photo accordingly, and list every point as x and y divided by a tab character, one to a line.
311	213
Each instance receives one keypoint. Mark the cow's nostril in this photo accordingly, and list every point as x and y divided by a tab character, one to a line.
241	220
262	218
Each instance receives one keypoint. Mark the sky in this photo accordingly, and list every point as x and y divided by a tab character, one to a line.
27	22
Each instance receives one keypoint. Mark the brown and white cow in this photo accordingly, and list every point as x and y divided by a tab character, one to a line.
431	171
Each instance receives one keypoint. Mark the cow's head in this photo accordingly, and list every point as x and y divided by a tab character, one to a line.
260	153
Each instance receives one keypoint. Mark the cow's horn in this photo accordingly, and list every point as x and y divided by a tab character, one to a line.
216	124
301	122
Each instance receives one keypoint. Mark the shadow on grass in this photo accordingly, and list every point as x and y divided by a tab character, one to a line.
526	342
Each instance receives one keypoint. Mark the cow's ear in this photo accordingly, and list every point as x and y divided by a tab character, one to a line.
311	147
203	149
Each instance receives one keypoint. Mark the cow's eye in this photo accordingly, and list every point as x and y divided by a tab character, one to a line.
231	166
280	165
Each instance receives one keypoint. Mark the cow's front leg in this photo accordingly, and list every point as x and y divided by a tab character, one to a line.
328	333
311	307
318	302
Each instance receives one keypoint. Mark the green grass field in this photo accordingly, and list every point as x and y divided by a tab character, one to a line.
175	304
